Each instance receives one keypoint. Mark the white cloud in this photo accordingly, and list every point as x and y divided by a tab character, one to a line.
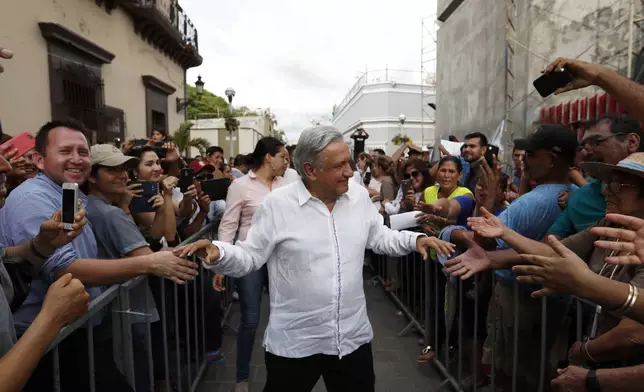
301	57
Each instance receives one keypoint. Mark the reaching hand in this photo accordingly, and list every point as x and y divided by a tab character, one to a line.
571	379
65	302
474	260
565	273
429	209
166	264
52	234
628	240
486	224
8	152
218	282
584	74
202	248
442	248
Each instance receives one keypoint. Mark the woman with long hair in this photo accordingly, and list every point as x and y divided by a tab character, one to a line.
270	161
384	171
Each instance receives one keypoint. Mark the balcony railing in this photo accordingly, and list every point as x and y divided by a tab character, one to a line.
166	25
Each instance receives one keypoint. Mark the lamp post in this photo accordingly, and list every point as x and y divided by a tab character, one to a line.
402	119
230	93
183	103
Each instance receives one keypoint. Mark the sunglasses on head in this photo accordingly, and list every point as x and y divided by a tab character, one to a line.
413	174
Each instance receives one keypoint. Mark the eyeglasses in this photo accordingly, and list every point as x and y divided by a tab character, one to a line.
615	186
596	140
413	174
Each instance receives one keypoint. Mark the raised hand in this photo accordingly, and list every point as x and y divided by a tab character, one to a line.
429	209
65	302
166	264
202	248
628	240
486	224
565	273
584	74
52	234
442	248
157	202
474	260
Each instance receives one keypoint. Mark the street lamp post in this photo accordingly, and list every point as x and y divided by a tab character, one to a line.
230	93
402	119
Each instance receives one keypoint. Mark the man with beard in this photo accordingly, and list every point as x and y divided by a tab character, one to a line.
473	150
609	139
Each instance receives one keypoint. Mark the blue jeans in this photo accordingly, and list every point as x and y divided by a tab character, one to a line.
249	289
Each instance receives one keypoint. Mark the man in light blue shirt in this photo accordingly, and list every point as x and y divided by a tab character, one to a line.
550	150
62	155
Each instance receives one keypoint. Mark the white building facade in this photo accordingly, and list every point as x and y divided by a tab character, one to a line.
375	104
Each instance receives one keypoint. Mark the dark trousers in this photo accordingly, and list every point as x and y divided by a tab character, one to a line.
352	373
74	365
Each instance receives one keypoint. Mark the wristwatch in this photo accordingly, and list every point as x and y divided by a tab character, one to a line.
592	384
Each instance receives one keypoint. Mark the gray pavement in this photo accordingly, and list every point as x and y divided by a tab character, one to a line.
394	357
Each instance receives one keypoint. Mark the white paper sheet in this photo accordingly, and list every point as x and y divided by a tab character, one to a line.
403	221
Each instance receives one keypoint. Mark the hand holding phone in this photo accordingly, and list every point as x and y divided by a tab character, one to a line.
406	186
186	178
70	204
149	189
548	83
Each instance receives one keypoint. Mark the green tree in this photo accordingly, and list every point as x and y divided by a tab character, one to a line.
208	105
181	138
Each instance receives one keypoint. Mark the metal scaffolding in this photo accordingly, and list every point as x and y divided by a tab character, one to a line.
428	52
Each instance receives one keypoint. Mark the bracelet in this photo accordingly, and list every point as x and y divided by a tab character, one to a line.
37	251
584	348
633	293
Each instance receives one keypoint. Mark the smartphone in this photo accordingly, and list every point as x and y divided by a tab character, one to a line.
158	148
546	84
141	204
406	186
23	142
70	204
186	178
490	153
216	189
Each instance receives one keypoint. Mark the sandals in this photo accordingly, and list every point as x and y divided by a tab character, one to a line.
428	354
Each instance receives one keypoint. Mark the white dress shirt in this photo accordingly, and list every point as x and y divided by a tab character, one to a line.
315	258
291	175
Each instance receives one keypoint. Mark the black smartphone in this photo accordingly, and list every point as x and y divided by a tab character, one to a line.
546	84
141	204
490	153
186	178
406	186
216	189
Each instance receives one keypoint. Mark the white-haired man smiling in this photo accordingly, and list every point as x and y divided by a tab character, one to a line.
313	233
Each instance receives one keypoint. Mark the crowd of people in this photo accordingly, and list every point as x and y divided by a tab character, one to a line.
563	220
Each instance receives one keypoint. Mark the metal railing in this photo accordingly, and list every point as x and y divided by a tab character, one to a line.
454	318
183	323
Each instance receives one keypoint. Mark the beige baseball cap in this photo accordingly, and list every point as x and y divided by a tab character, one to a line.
109	155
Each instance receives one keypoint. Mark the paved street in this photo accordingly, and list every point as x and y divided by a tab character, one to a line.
395	365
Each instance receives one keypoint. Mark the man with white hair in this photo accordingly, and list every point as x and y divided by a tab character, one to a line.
313	233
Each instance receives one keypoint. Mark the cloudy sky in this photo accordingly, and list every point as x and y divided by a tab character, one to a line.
299	57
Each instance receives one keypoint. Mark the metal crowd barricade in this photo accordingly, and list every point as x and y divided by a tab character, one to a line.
183	328
423	297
